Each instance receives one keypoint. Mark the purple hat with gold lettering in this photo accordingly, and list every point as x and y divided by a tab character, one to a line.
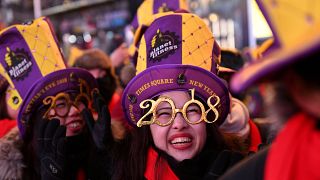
177	52
33	64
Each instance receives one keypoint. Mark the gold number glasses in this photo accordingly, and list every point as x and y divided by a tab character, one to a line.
163	110
61	104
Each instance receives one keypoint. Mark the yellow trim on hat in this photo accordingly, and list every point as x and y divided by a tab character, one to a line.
142	56
199	53
42	45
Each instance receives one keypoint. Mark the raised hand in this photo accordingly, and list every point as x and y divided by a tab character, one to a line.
51	147
100	129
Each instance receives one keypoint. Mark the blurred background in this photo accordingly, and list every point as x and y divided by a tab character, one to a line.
237	24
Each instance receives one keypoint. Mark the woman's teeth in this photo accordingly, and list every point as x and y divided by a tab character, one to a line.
74	125
181	140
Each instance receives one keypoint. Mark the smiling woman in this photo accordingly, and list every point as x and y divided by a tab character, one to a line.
55	141
176	102
179	140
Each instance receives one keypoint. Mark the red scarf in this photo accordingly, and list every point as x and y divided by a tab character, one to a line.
6	125
295	153
255	137
158	168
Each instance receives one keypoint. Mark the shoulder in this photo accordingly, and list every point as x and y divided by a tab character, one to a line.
11	158
250	168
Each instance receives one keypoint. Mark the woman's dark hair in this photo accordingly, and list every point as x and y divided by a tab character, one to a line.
3	106
130	155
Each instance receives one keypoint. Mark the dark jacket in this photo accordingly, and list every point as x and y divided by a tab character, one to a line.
251	168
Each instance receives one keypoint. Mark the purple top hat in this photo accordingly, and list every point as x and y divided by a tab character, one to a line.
295	26
176	52
33	64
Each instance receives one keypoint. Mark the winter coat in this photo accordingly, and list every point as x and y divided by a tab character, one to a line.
294	154
11	158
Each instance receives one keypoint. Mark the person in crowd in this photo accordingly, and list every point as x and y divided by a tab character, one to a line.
231	61
10	155
8	110
238	127
120	56
176	103
291	68
100	66
54	138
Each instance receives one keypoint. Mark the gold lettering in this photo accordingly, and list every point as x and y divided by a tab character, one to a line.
142	88
196	83
161	81
153	83
191	82
64	80
208	90
131	112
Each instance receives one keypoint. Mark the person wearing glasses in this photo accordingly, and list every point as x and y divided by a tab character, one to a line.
8	113
175	104
55	139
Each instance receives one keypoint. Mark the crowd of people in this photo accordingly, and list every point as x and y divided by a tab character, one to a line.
171	105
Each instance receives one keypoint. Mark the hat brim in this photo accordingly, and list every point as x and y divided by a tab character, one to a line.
65	80
272	63
158	79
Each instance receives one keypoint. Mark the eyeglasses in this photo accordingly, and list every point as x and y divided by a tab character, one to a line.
62	102
164	111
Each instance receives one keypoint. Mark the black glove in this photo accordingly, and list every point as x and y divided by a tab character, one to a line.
224	161
52	149
101	128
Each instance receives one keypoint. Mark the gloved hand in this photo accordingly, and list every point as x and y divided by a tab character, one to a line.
52	149
101	128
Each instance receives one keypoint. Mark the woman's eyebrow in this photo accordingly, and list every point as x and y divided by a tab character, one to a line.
162	108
